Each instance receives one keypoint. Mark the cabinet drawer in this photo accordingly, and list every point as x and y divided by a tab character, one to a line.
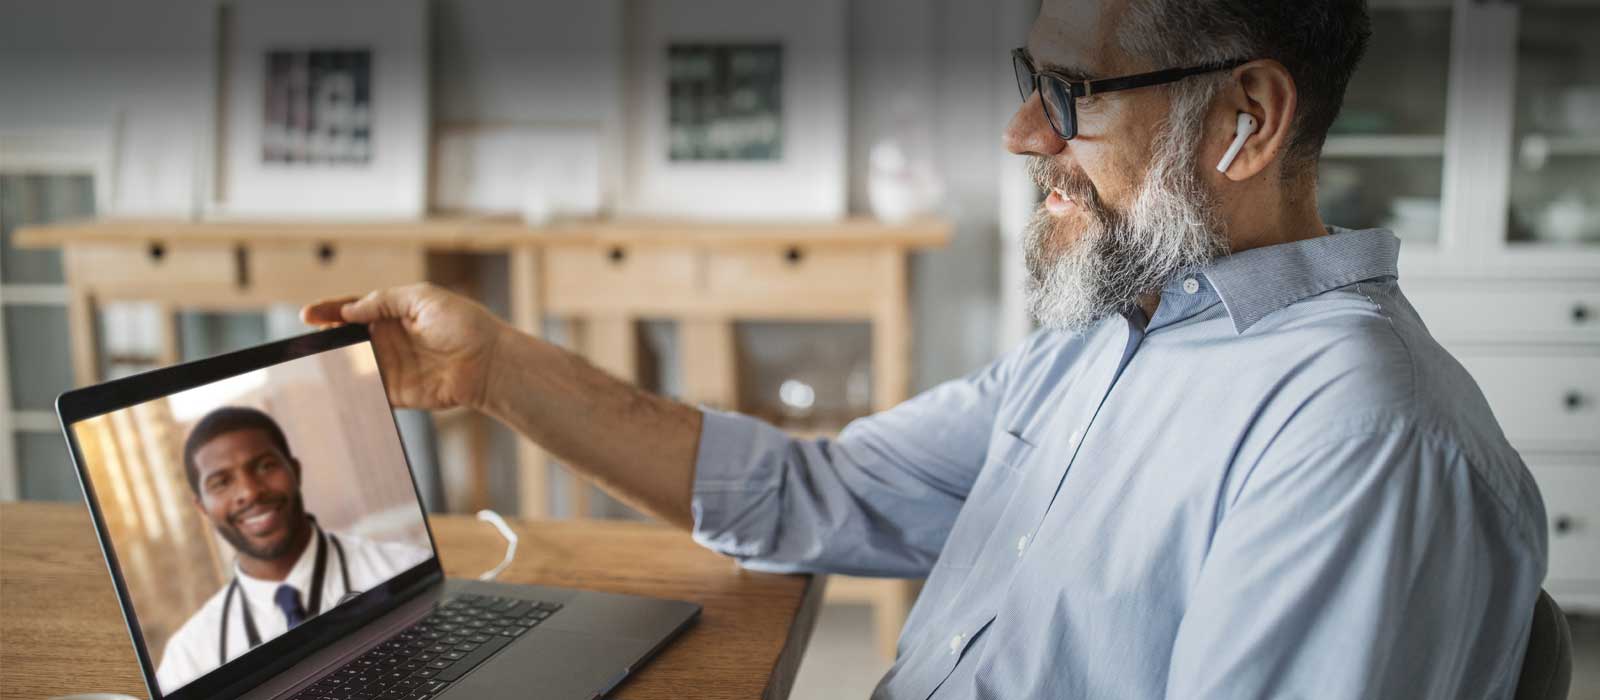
586	278
795	271
1572	506
307	271
155	267
1540	401
1554	314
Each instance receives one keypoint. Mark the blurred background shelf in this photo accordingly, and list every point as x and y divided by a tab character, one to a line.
1383	146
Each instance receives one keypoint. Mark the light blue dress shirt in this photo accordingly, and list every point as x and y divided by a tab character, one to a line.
1279	486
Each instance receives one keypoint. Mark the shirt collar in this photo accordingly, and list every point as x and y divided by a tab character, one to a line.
299	576
1259	281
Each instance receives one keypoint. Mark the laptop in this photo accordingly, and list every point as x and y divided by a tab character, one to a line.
266	539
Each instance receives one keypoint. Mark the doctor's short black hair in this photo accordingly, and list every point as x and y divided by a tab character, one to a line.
226	420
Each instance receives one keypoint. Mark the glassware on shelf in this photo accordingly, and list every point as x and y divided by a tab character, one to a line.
1555	180
1399	194
1383	162
1414	218
1569	219
798	399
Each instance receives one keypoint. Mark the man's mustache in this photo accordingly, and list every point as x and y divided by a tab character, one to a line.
269	503
1048	175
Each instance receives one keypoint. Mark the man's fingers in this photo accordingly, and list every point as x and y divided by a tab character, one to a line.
324	313
394	302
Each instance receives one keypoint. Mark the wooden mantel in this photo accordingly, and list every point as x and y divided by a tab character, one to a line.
466	233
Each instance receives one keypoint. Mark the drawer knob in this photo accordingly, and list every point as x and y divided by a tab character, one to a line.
1563	524
158	251
1573	401
325	253
616	255
1580	313
793	255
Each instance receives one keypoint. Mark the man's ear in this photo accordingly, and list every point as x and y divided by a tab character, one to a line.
1265	90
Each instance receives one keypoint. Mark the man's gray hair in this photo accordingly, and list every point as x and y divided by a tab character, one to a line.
1320	42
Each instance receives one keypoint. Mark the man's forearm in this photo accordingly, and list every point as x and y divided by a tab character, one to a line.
636	445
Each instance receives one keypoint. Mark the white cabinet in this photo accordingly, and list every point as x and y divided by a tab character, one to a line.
1493	184
1569	486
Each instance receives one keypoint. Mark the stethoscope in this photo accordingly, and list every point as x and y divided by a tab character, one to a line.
318	573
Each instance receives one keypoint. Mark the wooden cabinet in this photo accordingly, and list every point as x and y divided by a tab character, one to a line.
795	272
156	266
619	277
311	270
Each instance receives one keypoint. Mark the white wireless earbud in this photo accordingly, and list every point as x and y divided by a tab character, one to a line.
1247	126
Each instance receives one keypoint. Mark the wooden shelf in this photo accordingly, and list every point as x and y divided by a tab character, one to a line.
1529	145
466	233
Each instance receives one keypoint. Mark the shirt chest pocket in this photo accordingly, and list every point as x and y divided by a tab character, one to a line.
987	503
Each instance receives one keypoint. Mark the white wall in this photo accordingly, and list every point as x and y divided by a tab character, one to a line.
946	63
942	63
141	70
934	71
550	62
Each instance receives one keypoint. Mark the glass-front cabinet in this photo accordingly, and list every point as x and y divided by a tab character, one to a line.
1383	163
1555	169
1472	130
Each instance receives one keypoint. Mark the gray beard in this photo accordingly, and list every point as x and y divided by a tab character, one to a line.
1120	256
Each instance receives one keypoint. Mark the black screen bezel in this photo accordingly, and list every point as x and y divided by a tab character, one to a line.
277	655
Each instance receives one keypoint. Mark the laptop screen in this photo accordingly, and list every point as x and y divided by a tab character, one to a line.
243	508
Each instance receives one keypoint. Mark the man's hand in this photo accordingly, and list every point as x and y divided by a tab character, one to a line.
439	350
435	348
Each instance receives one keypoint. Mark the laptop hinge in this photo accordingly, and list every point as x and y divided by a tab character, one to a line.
358	642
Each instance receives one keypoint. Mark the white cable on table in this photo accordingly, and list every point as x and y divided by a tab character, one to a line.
499	523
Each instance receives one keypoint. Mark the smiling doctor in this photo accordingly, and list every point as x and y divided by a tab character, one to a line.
247	482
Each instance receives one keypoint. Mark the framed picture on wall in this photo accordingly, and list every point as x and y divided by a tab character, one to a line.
324	110
735	113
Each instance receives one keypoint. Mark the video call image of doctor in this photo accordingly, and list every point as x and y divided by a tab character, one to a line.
247	482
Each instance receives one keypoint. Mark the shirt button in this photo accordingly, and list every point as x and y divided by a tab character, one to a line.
1072	440
955	644
1190	285
1022	543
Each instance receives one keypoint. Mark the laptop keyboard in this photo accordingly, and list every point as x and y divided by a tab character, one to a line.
422	660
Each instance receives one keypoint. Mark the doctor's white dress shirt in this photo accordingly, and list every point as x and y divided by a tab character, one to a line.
194	650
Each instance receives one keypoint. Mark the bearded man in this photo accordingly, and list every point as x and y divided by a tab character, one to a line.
1233	463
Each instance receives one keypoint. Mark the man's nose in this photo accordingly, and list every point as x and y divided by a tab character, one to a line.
245	489
1029	133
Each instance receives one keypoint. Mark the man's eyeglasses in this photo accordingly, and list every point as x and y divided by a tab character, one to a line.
1058	94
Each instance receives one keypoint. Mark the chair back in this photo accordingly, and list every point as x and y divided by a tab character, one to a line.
1547	665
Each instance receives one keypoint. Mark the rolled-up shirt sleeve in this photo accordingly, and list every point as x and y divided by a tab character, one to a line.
878	501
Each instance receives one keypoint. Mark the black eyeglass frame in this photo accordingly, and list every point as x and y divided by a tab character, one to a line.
1071	90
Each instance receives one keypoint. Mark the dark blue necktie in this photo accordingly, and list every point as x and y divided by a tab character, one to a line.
288	600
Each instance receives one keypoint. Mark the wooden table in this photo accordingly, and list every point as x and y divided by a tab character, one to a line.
61	631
